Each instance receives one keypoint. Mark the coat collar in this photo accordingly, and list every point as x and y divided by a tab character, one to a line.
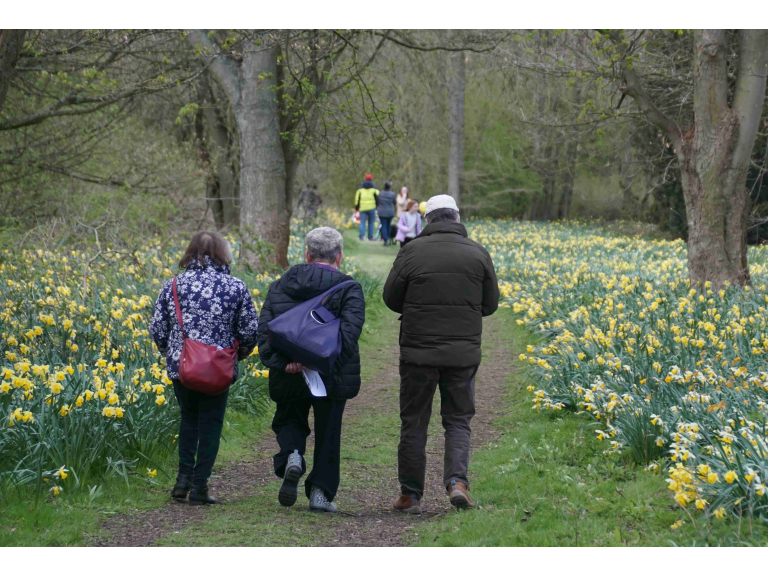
444	228
194	264
326	266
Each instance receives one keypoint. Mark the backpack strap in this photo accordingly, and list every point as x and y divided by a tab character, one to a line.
178	308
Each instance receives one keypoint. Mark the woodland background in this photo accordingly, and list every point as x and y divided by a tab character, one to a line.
141	133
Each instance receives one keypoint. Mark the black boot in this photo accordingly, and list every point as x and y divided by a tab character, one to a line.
182	486
199	496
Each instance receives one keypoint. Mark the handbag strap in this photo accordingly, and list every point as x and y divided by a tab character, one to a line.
330	292
178	308
178	315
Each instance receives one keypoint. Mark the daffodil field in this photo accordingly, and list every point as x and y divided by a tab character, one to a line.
673	377
83	389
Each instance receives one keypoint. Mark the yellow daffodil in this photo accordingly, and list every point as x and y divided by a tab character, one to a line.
719	513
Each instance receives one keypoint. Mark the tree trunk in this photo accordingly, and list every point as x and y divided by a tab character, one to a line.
715	161
552	156
456	85
11	43
249	83
717	216
265	214
626	177
568	179
221	185
204	154
715	154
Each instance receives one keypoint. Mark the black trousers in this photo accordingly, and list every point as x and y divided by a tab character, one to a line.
291	425
457	406
202	418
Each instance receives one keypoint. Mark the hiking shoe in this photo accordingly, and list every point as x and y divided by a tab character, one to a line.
180	490
318	501
407	503
290	487
199	496
459	495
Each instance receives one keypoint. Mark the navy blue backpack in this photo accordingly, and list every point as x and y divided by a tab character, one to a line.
309	333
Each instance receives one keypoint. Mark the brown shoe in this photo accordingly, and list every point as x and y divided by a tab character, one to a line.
407	503
459	495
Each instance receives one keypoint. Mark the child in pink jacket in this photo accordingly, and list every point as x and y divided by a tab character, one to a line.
409	225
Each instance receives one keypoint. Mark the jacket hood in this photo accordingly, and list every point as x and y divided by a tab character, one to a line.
367	184
444	228
305	281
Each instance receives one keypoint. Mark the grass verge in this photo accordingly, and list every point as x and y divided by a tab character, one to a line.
68	519
546	482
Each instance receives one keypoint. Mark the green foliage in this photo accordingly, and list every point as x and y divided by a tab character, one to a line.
497	181
668	209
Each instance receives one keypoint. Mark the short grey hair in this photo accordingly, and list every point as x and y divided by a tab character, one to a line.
442	215
324	244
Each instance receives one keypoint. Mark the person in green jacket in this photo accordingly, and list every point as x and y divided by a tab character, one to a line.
366	200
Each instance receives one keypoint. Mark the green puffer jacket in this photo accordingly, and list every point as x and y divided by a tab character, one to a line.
443	284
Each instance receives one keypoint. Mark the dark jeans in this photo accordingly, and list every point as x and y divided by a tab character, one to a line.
385	224
371	216
202	418
404	242
457	406
291	425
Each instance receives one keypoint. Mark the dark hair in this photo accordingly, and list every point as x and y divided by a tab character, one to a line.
387	185
443	215
207	243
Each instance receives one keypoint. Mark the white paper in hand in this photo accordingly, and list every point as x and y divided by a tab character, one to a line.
315	383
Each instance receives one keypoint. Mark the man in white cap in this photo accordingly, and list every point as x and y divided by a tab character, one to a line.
443	284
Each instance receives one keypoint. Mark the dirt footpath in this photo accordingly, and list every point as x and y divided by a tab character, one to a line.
366	492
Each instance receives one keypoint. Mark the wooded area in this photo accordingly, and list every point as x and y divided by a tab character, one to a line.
144	132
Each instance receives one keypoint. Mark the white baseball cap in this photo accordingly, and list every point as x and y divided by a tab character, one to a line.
441	201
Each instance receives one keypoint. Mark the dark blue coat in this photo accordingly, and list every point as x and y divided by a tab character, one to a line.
298	284
387	201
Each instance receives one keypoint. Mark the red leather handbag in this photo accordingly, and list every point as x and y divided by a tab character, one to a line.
204	368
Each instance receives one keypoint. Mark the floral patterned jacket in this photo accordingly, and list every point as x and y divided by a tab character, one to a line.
216	308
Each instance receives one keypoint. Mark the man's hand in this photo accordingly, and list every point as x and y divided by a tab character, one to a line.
294	368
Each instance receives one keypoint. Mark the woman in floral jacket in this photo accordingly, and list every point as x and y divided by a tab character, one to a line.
217	309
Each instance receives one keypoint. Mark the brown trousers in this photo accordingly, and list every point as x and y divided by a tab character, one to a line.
457	406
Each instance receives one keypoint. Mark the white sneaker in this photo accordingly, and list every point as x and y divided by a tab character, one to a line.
290	487
318	502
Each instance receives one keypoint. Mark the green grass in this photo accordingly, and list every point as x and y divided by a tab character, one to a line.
372	257
69	518
543	482
546	482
